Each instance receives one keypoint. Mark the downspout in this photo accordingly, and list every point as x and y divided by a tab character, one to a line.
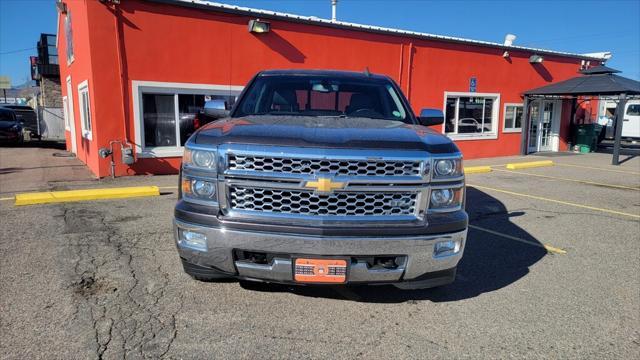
409	66
123	80
524	137
401	65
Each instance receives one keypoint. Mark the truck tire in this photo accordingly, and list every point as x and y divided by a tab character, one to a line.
203	273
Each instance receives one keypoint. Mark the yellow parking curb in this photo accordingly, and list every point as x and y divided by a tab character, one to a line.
83	195
528	165
477	169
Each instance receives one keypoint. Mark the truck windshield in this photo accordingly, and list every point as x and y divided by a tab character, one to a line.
322	96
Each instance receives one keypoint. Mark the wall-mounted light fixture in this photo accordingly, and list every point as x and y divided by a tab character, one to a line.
62	7
259	27
505	54
536	59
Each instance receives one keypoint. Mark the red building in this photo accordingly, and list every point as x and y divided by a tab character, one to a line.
136	72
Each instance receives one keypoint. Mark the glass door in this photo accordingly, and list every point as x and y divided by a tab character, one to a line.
534	123
546	121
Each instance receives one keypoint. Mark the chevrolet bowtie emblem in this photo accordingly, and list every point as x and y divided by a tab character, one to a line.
324	185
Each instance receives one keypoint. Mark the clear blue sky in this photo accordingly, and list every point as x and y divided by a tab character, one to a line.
574	26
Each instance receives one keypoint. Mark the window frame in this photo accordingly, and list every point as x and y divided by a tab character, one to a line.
169	88
504	118
495	111
85	124
68	30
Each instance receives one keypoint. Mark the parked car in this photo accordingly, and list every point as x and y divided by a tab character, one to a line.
10	127
321	177
469	125
27	116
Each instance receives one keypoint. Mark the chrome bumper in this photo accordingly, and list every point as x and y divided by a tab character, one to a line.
221	242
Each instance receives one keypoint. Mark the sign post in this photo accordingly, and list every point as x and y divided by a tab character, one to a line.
5	83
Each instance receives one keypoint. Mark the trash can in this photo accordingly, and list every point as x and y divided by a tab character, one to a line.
587	136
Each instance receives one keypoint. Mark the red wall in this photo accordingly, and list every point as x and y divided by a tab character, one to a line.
175	44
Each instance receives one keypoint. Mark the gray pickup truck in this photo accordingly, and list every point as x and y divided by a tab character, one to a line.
321	177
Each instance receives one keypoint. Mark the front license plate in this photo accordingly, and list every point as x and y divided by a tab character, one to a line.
320	270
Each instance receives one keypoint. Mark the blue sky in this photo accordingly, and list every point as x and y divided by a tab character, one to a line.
574	26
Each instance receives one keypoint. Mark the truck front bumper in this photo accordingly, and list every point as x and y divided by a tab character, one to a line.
419	265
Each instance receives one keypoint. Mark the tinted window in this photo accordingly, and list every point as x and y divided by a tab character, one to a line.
633	110
6	115
322	96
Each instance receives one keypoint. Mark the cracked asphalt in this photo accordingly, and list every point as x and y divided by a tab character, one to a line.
102	279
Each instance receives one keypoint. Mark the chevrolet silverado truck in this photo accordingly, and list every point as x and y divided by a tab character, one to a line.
321	177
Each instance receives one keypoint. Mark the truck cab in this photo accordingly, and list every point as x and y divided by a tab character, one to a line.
321	177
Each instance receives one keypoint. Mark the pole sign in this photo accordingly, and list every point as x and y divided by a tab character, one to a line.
472	84
5	82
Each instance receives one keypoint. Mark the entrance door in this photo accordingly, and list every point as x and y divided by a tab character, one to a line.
543	121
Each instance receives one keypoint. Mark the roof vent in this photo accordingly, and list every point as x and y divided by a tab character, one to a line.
508	39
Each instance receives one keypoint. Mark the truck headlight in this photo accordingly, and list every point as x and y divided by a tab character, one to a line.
446	199
446	168
198	188
202	159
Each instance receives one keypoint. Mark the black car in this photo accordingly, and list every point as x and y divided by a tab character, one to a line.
26	116
10	127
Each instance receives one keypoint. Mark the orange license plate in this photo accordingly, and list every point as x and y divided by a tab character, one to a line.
320	270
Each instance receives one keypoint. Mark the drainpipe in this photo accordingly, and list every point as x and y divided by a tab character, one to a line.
409	67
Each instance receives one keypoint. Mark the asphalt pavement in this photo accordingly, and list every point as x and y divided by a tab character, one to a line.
102	279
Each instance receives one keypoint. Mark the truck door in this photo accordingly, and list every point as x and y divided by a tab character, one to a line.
631	120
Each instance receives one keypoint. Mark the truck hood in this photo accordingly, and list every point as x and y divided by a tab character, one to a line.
324	132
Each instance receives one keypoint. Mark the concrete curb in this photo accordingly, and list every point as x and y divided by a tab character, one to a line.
528	165
84	195
477	169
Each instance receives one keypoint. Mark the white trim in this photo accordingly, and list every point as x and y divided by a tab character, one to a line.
82	88
65	113
494	116
72	117
140	86
504	119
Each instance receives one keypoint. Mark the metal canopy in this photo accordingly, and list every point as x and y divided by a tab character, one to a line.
598	82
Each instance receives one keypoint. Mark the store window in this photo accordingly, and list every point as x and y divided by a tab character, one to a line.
85	109
513	117
169	116
471	115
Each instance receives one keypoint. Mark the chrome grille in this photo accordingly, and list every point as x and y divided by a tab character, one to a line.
292	165
304	202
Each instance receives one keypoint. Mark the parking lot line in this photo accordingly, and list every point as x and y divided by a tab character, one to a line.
557	201
571	180
599	168
549	248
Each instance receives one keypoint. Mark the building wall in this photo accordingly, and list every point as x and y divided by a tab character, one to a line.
50	92
166	43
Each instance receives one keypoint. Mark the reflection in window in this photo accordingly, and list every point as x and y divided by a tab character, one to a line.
158	115
163	122
68	34
513	117
469	115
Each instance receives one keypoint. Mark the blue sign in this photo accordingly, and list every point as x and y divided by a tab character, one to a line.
472	84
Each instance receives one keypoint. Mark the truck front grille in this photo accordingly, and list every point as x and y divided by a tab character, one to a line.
305	166
305	202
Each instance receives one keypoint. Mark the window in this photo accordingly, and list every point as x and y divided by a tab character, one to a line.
85	109
513	117
633	110
65	111
322	96
471	115
68	34
167	114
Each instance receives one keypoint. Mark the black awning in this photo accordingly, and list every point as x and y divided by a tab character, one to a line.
599	80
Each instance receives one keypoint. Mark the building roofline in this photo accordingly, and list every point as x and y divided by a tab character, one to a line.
268	14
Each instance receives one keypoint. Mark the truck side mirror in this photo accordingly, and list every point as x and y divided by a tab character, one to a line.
216	109
430	117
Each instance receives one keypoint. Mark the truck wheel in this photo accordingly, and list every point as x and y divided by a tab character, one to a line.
203	273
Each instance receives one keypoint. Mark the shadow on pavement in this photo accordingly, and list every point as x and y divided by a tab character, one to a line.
44	144
490	262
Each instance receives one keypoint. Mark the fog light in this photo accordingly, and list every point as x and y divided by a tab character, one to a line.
444	248
204	188
193	240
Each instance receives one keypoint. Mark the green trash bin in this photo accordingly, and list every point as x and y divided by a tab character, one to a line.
587	136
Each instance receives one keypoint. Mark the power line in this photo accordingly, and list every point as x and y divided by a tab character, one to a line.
16	51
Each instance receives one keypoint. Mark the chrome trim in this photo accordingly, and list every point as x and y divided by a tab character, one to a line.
222	241
278	270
